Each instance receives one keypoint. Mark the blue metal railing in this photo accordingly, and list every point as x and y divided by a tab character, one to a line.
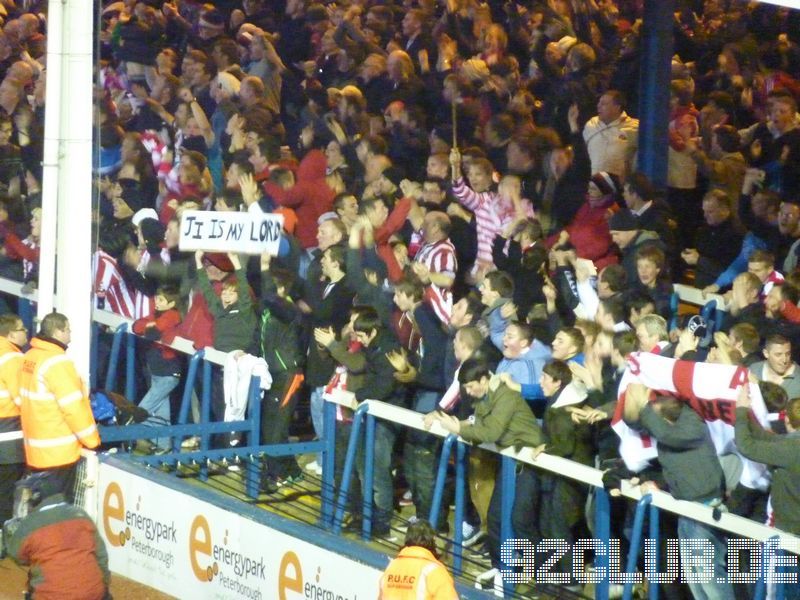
636	542
349	465
602	516
441	475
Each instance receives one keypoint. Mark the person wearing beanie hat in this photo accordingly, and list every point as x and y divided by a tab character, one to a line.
211	24
218	260
151	234
627	234
623	221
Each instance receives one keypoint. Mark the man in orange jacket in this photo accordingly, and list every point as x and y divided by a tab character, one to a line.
57	418
13	336
416	572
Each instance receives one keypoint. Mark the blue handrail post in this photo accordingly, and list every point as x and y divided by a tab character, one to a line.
603	532
205	417
253	468
654	535
205	406
441	476
349	464
636	541
93	355
130	367
188	387
508	479
113	359
458	549
767	575
369	477
328	456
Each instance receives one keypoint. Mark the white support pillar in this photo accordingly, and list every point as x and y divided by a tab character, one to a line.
52	153
74	226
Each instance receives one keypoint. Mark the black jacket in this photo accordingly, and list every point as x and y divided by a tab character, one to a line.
718	246
331	310
281	331
378	377
431	372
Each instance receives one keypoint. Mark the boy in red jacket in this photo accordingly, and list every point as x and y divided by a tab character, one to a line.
162	360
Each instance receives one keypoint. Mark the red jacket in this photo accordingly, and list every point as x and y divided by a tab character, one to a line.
589	233
393	224
198	325
164	323
310	196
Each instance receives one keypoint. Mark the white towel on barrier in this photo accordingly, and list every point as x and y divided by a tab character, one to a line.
239	368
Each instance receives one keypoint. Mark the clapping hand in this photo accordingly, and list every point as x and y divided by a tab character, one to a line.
398	360
324	336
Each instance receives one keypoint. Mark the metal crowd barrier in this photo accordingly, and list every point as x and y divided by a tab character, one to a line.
365	414
200	365
651	502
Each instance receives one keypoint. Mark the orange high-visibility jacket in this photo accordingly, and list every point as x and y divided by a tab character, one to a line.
416	575
56	415
10	430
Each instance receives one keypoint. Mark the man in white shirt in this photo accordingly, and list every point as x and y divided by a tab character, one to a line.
611	136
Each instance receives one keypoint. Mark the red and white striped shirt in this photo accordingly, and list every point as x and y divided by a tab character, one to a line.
108	281
439	257
492	215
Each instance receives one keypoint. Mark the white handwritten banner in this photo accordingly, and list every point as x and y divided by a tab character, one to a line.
246	233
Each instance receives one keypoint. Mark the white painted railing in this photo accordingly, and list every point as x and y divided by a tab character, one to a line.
588	475
693	295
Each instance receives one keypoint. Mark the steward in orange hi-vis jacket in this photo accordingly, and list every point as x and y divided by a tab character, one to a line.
56	415
416	573
13	336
